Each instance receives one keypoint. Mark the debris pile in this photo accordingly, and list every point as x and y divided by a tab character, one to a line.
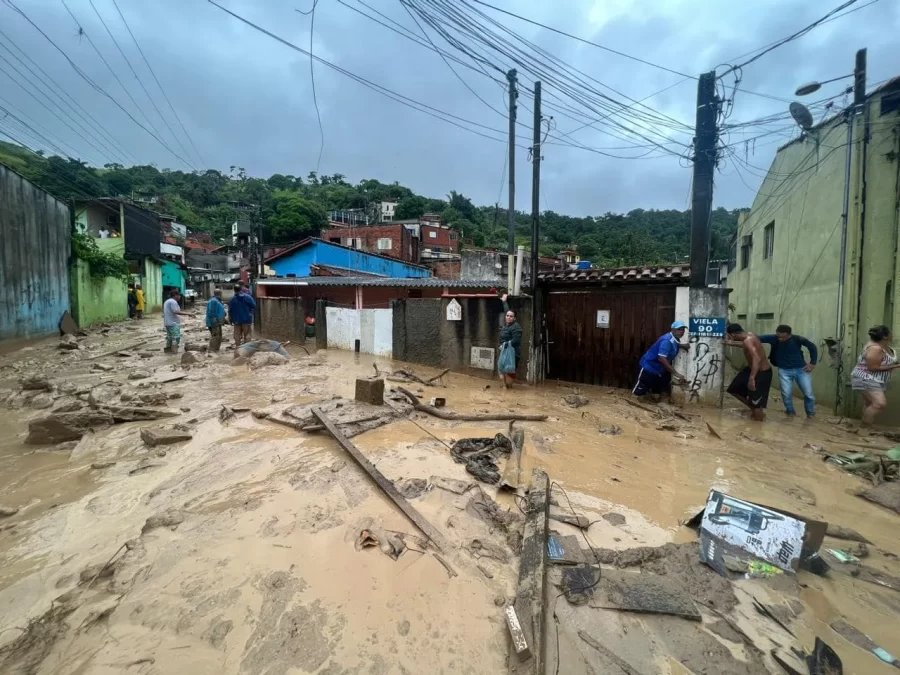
480	456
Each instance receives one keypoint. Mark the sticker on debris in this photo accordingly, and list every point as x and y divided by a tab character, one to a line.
731	528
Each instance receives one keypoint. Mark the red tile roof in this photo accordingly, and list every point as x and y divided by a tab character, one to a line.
630	274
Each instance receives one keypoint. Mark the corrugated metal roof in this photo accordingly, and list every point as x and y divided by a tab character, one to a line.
627	274
423	282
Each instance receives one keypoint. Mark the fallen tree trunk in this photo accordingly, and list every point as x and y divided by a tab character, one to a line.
468	417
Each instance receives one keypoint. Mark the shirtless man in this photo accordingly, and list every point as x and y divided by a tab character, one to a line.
751	385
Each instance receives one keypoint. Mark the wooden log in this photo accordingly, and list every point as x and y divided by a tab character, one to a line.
530	596
121	349
438	376
641	406
436	538
512	472
475	417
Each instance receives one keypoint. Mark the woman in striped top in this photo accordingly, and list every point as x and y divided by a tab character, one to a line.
873	372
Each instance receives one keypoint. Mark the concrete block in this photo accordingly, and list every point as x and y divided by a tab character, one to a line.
370	391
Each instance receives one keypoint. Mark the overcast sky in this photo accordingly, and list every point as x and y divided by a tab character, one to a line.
246	99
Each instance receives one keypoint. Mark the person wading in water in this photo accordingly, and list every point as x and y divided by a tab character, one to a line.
511	334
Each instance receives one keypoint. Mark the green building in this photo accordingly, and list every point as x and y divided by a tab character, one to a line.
789	246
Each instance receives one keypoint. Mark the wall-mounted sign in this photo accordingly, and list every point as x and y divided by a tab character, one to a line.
482	357
602	318
707	327
454	311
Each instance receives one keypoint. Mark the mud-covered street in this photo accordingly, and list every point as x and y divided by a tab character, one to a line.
238	548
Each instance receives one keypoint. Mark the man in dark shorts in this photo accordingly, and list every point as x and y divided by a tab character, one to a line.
656	365
751	385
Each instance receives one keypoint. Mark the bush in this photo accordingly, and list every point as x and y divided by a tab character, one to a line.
102	265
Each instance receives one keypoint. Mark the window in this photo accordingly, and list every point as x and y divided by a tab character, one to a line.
742	317
769	240
335	240
352	242
453	236
746	248
207	266
432	234
385	244
765	316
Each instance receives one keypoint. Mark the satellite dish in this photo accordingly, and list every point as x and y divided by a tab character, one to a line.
801	115
808	88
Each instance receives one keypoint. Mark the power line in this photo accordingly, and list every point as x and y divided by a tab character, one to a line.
158	83
312	78
93	84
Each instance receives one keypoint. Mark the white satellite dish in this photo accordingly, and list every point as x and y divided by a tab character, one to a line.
801	115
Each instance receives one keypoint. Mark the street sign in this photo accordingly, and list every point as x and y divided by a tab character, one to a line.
454	310
602	318
707	327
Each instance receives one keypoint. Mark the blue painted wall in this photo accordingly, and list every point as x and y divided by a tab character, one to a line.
35	242
173	275
324	253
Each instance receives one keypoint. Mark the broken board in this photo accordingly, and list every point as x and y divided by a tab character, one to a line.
643	592
564	550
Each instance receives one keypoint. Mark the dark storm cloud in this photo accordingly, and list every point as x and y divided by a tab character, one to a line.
246	99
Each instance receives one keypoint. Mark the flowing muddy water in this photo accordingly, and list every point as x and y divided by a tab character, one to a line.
262	575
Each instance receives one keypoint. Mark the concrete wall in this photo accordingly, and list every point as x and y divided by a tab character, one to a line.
173	275
372	327
35	244
478	264
217	262
802	196
704	362
423	334
152	283
281	319
323	253
99	300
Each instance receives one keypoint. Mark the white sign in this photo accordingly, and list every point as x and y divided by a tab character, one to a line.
482	357
602	318
454	310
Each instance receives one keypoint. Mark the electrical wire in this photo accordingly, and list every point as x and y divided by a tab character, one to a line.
159	84
312	78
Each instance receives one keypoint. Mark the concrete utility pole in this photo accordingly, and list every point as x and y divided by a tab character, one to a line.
705	148
536	187
511	216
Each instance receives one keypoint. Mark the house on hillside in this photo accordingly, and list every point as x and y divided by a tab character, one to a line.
393	240
795	260
298	260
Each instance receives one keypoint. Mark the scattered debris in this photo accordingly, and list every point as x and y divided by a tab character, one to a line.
384	483
195	347
102	367
846	533
170	518
512	471
67	325
485	571
623	665
412	487
614	518
611	430
154	436
576	400
578	583
264	359
102	465
480	548
68	342
189	359
62	427
580	522
7	511
138	375
418	405
146	464
370	391
450	571
711	429
225	413
860	639
337	465
480	456
763	610
644	592
886	495
564	550
451	484
390	544
519	640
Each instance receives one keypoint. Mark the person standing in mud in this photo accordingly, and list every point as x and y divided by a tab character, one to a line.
510	334
873	371
215	319
141	302
657	371
786	354
132	302
172	320
240	313
751	385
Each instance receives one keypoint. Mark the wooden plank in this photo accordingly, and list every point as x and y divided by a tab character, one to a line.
437	539
512	472
531	594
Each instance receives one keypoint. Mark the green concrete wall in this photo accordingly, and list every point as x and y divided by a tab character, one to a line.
152	285
173	275
98	300
798	285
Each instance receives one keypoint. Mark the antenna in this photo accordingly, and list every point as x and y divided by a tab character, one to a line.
801	115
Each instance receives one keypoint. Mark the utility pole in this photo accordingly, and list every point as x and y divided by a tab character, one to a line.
511	215
536	187
705	148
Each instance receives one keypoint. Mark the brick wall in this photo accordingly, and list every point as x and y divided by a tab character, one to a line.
441	237
445	269
401	240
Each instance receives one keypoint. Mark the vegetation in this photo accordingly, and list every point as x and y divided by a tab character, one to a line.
291	207
101	264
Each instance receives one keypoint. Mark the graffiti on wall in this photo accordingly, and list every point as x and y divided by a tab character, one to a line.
706	366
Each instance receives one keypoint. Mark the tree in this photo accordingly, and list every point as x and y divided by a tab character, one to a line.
294	217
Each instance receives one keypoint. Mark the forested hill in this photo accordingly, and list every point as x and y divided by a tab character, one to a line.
292	207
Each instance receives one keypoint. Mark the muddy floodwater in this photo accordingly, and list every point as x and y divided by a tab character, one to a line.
237	549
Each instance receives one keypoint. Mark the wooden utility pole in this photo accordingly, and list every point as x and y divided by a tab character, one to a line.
511	215
536	187
705	149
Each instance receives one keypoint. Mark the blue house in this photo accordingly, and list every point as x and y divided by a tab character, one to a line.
296	261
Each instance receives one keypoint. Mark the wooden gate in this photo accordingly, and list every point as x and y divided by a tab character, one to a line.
580	351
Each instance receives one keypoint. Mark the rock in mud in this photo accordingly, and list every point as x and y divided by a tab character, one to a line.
153	398
412	487
67	388
611	430
170	518
35	383
62	427
614	518
164	436
104	394
138	375
101	368
264	359
576	400
7	511
102	465
886	494
217	632
189	359
41	402
195	347
68	342
72	405
98	570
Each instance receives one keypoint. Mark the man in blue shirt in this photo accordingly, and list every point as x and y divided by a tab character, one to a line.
656	365
240	312
215	319
786	354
